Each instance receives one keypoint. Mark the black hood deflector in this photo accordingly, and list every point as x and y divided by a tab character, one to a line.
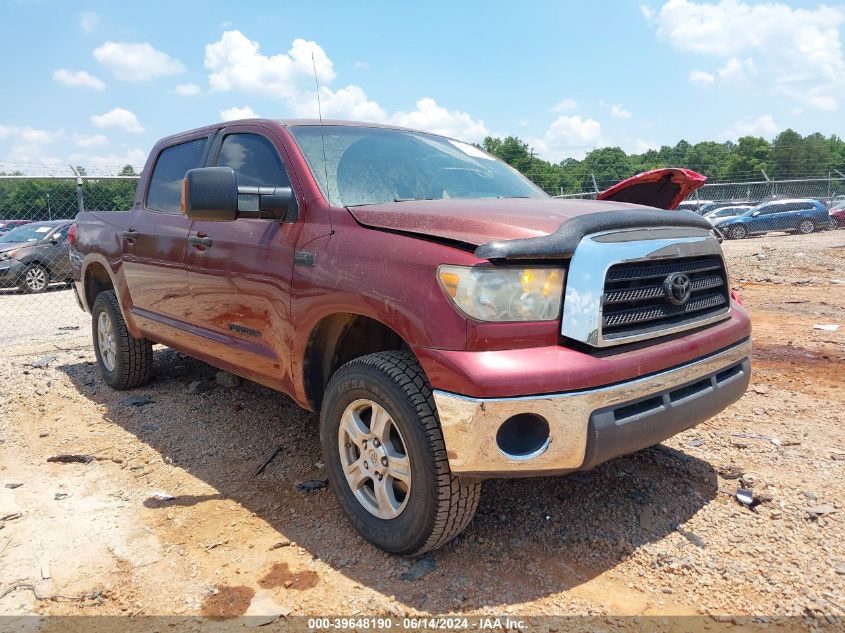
562	243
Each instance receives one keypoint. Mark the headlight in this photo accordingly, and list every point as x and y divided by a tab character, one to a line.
504	294
7	255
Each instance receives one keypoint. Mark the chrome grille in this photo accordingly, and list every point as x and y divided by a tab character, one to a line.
636	301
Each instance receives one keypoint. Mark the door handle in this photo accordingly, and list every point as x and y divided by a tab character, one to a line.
129	234
201	243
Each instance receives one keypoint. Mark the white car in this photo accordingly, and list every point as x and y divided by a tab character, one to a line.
721	214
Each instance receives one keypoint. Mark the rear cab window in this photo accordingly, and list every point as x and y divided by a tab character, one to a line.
165	191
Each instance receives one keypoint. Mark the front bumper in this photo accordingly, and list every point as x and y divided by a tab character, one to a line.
11	271
588	427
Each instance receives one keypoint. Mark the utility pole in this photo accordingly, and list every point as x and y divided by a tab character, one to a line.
49	211
595	184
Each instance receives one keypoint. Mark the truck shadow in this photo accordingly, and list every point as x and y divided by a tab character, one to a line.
529	539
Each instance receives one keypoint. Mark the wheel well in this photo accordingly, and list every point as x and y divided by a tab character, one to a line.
97	280
338	339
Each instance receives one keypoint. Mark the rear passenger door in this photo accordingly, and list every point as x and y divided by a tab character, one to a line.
240	272
57	253
155	241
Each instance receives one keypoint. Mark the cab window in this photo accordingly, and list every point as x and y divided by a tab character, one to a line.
165	192
254	160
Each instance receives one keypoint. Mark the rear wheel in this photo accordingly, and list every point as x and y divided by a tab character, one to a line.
124	361
738	232
834	223
806	226
385	456
35	279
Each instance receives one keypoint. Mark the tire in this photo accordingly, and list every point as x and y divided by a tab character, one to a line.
35	279
805	227
834	223
428	509
125	362
737	232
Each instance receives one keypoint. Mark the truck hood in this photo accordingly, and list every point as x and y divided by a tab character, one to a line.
662	188
482	220
479	221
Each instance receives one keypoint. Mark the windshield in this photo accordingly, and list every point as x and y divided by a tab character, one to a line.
26	233
374	165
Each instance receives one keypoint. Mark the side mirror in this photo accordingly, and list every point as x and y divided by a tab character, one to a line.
281	203
211	194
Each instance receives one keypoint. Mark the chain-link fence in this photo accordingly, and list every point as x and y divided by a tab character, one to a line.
37	302
36	213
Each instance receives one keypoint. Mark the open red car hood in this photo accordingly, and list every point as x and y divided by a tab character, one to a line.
662	188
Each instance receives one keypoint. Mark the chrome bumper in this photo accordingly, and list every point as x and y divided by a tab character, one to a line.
470	425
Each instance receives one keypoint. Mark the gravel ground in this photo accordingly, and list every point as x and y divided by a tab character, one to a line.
25	318
656	533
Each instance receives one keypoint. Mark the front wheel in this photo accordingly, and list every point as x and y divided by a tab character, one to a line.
834	223
35	279
125	361
806	226
385	456
738	232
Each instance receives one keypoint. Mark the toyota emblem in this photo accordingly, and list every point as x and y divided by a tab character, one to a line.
677	288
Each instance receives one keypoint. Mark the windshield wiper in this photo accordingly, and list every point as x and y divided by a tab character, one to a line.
412	199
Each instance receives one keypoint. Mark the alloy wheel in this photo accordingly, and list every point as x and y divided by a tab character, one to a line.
374	459
805	227
106	341
36	279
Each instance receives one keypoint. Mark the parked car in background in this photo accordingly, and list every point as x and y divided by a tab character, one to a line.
719	215
694	205
8	225
792	216
35	255
837	216
712	206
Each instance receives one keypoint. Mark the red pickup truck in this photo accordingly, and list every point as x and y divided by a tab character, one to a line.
448	320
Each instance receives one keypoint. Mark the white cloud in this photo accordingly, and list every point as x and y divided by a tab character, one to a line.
136	61
236	63
764	126
231	114
187	90
362	65
618	112
29	134
89	21
109	163
701	78
120	119
89	140
568	136
78	78
736	70
433	118
639	146
567	105
797	53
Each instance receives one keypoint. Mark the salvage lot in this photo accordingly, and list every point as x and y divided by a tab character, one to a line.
660	532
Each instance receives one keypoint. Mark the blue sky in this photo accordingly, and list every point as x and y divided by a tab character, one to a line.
97	83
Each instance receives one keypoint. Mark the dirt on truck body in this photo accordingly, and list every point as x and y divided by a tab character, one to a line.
449	321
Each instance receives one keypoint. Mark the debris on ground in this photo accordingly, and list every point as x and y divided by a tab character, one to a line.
747	498
227	380
68	328
826	508
730	472
11	516
60	495
423	566
43	362
827	327
70	459
136	401
14	485
162	496
754	436
267	461
201	386
311	485
283	543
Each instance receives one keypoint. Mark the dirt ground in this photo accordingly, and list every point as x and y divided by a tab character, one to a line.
659	532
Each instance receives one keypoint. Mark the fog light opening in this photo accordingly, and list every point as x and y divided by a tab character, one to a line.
523	436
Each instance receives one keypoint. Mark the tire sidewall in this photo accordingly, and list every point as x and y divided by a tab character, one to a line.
102	304
410	530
